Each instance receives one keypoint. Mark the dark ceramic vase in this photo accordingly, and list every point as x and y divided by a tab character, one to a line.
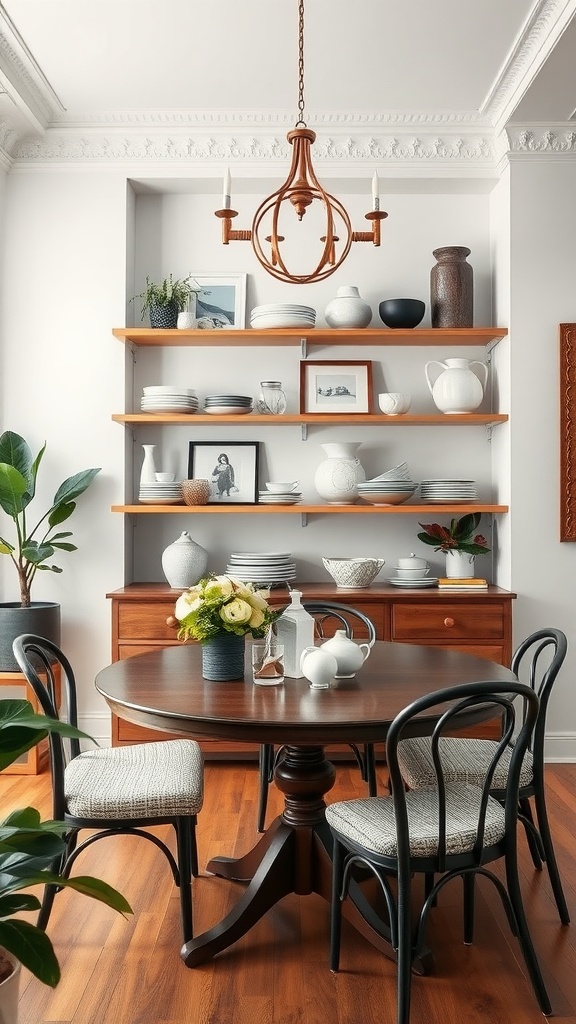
223	657
452	288
42	618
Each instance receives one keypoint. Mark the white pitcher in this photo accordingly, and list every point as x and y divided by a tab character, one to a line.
457	388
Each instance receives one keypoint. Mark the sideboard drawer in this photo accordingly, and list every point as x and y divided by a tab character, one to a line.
448	622
145	620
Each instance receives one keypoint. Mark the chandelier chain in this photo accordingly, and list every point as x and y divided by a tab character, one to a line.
301	120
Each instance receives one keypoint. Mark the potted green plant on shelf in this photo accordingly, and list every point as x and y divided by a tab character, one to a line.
166	300
29	848
33	546
459	542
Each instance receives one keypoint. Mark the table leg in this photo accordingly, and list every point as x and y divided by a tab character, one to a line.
294	855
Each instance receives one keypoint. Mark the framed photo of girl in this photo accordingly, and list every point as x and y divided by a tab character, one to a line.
336	386
231	467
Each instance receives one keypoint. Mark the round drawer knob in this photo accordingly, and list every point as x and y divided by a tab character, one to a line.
448	622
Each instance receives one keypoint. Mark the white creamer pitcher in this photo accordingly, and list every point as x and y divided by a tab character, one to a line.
319	667
457	388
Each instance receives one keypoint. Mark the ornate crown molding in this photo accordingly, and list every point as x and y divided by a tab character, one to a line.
542	139
544	26
24	80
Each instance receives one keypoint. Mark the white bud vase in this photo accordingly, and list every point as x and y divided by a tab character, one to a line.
348	309
184	562
148	471
337	478
459	564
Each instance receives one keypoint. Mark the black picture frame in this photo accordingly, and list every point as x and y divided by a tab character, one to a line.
238	487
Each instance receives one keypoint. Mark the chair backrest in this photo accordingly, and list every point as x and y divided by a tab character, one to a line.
539	671
330	615
444	708
39	660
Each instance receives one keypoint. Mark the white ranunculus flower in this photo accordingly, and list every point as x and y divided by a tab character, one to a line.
257	600
220	586
188	602
236	612
256	619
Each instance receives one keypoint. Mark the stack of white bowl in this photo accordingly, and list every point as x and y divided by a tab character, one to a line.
393	487
159	398
282	314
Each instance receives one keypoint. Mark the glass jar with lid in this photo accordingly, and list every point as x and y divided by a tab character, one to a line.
272	398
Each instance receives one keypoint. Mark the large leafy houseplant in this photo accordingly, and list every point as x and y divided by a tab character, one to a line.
28	849
34	545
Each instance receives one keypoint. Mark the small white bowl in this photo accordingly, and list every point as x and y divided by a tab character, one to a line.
394	403
165	478
168	389
281	488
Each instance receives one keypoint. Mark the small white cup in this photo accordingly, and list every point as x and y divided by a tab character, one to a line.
394	403
165	478
411	574
186	320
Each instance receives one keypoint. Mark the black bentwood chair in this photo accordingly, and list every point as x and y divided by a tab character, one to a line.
337	616
467	760
115	790
444	830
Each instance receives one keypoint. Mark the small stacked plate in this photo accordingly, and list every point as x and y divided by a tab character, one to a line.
282	314
228	405
263	568
279	497
159	398
161	493
426	581
448	490
391	488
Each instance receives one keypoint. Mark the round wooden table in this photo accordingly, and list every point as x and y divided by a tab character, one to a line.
165	690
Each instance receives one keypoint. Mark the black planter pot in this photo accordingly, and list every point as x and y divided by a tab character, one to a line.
41	618
165	317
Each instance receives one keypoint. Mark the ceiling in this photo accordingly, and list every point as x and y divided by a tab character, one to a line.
399	58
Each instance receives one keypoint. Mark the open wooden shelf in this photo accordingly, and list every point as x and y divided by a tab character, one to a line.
316	336
318	419
301	509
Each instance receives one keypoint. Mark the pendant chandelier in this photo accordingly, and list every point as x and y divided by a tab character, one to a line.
302	191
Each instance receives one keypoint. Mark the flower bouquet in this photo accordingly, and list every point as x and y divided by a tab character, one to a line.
219	605
459	536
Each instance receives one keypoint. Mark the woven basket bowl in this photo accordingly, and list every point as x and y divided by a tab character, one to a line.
353	572
196	492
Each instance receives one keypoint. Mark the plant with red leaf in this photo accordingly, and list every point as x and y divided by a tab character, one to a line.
459	536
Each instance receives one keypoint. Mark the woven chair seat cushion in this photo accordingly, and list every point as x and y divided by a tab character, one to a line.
371	823
148	780
463	760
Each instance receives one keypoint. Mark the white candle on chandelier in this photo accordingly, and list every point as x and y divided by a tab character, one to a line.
375	192
226	190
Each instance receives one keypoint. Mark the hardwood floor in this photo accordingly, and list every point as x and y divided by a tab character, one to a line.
117	971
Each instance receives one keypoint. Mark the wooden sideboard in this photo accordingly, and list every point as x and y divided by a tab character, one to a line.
479	623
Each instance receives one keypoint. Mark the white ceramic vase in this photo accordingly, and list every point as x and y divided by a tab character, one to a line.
457	388
337	478
184	562
348	309
148	471
459	564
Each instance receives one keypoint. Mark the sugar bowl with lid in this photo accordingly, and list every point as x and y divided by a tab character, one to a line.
412	568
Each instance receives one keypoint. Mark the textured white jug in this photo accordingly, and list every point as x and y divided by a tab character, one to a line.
457	388
337	478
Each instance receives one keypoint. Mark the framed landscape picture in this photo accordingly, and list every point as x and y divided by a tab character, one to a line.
336	386
221	303
231	467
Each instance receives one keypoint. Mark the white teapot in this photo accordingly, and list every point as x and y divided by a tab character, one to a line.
349	655
319	667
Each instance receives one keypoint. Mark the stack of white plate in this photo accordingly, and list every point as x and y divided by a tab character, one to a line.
446	491
161	493
160	398
263	568
227	405
279	497
282	314
426	581
387	491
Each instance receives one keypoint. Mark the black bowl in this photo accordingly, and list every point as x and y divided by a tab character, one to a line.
401	312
